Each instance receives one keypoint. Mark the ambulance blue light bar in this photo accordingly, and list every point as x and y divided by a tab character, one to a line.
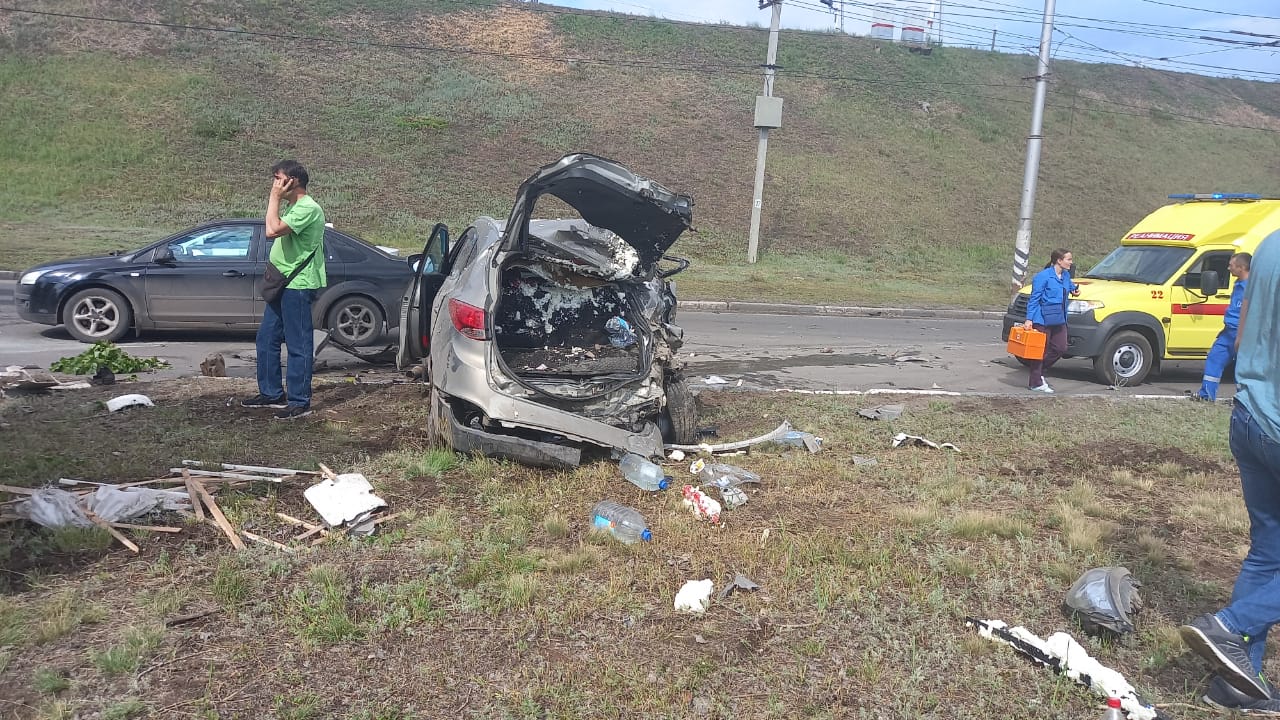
1215	196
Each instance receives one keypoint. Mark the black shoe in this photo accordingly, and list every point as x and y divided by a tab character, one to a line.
292	412
1226	697
1228	651
262	401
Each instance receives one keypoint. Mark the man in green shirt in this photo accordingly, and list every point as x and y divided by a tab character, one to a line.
296	222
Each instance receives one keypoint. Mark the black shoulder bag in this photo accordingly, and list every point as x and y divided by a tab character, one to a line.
274	282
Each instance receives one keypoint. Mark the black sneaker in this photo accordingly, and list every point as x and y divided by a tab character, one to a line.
292	412
1228	651
262	401
1224	696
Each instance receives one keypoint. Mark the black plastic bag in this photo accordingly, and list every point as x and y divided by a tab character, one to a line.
1105	599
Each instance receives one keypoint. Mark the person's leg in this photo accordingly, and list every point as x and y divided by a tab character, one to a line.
1255	599
1037	366
1055	345
1216	363
296	308
270	335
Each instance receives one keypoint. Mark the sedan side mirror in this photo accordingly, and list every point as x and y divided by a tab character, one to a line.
1209	284
164	255
415	261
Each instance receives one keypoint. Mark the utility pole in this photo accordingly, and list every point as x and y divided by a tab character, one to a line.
1022	245
993	40
768	115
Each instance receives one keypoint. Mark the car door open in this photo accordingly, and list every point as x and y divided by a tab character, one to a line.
415	313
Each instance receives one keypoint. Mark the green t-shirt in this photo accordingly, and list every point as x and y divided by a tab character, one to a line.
306	220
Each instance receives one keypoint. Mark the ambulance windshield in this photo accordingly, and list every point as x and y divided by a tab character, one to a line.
1149	264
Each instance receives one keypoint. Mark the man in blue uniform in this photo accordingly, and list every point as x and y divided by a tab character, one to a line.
1224	348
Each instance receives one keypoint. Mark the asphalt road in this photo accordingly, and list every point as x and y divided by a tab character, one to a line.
789	352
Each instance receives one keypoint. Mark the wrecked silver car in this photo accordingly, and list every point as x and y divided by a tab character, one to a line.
544	339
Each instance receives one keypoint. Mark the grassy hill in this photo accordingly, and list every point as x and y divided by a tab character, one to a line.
895	179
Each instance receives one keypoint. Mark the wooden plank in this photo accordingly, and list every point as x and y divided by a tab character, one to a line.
114	532
218	517
151	528
196	506
253	468
218	474
267	541
324	470
295	521
17	490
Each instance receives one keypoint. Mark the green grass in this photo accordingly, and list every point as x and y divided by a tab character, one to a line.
49	681
125	657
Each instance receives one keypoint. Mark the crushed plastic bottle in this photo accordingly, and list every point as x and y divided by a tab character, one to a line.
620	333
799	438
625	524
643	474
1113	710
722	475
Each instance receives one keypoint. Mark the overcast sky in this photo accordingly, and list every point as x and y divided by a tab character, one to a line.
1135	32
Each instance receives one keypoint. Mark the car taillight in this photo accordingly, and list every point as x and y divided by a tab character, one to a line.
468	320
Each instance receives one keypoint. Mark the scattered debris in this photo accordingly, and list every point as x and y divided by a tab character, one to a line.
864	461
740	582
214	366
1062	654
904	439
103	376
676	455
343	499
54	507
116	404
1105	599
189	617
702	505
694	597
18	379
774	436
714	380
882	412
799	438
105	354
911	358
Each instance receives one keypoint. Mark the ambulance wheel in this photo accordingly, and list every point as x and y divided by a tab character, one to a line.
1125	359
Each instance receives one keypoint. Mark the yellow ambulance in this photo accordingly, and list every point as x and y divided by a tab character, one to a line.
1161	295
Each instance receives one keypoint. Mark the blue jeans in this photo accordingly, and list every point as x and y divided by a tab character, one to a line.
1223	350
287	320
1255	600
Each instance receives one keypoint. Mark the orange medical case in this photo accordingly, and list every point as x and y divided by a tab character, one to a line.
1026	344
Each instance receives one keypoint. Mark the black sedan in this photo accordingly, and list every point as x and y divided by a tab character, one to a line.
208	278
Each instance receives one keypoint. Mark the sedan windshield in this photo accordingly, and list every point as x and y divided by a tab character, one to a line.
1151	264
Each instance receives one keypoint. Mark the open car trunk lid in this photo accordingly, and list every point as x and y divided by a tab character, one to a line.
646	215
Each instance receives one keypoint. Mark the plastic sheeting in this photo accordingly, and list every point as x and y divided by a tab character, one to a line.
54	507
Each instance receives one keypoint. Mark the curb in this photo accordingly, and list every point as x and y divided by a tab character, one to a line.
835	310
8	274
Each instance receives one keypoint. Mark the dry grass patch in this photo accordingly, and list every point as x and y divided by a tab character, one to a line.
975	524
1126	478
1217	510
1079	531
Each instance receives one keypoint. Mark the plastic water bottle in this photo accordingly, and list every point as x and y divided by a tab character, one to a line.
620	333
624	523
643	474
1113	710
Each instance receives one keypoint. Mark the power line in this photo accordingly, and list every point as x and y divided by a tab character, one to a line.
1215	12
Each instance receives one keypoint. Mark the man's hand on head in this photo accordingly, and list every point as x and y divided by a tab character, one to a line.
281	187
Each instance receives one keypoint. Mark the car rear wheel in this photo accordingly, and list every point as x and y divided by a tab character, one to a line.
1126	359
97	315
355	321
679	419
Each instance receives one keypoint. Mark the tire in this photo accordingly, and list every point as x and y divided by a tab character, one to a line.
356	321
1126	359
96	315
679	419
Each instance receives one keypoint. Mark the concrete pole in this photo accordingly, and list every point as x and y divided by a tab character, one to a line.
1022	245
757	198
